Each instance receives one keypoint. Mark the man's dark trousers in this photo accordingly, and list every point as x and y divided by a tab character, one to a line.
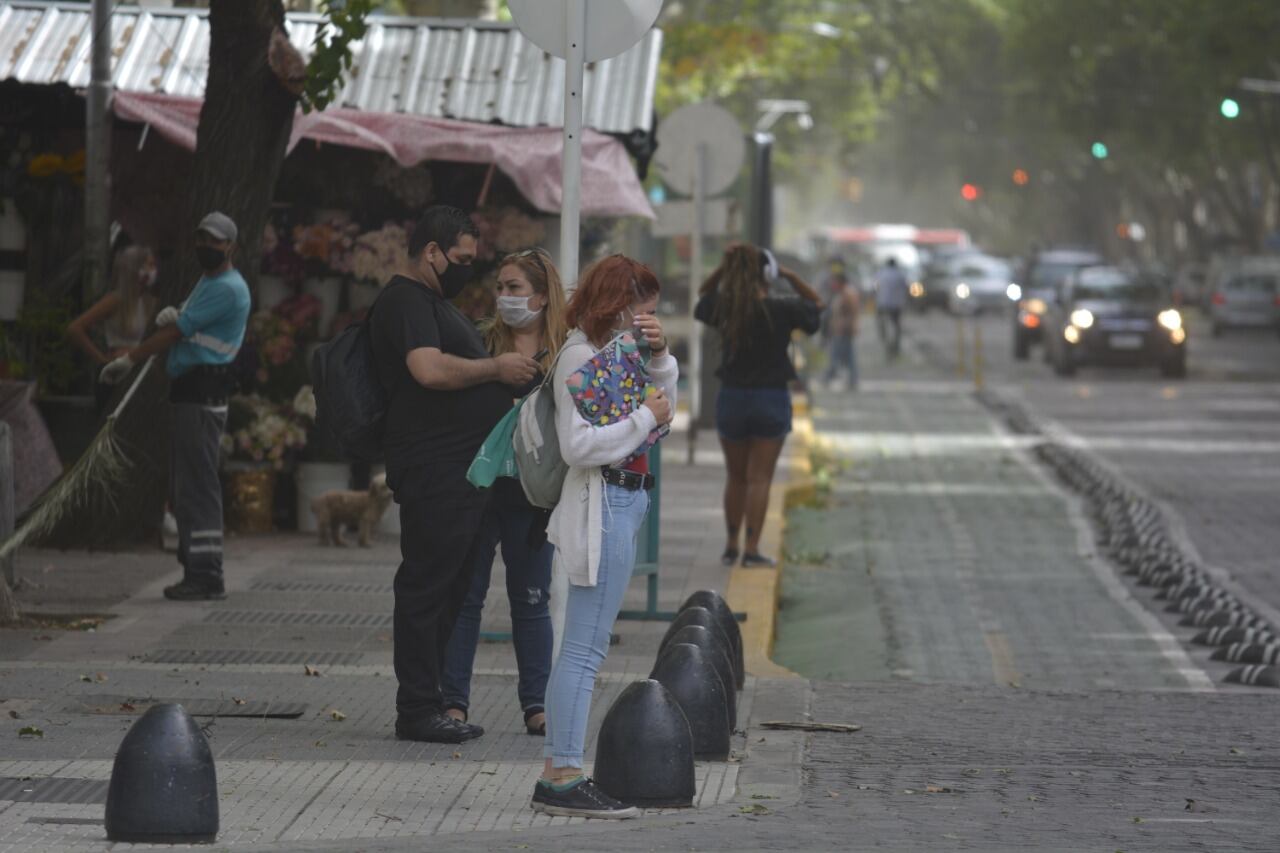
195	491
440	516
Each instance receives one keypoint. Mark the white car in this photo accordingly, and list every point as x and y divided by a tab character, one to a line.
978	283
1246	295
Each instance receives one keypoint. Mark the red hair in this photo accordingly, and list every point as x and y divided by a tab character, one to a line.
607	288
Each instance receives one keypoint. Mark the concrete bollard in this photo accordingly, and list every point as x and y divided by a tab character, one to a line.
164	788
688	673
644	753
696	635
719	608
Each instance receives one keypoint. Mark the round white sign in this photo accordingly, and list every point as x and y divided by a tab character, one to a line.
613	26
679	136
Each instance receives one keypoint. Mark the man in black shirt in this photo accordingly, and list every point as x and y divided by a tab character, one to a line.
445	394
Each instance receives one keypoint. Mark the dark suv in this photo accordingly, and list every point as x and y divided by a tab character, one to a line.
1038	284
1105	315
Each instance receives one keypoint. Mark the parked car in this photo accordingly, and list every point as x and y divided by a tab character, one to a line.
1035	289
1246	295
1108	316
977	283
1190	284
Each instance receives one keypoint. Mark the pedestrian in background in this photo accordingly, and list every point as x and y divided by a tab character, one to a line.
891	298
596	523
445	393
123	312
530	321
842	331
753	409
202	339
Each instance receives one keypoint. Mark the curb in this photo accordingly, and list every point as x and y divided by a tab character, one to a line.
757	591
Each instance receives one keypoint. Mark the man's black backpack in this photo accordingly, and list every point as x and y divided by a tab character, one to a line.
351	404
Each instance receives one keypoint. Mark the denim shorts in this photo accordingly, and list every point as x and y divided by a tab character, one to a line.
743	413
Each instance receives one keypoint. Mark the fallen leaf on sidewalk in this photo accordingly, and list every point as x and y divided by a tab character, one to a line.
833	794
127	706
86	678
239	701
457	755
337	715
30	731
1137	820
937	789
310	670
756	809
1191	806
804	726
1235	751
14	715
99	677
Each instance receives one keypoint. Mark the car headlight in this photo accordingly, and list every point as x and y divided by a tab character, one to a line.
962	290
1082	318
916	290
1170	319
1072	334
1036	306
1014	292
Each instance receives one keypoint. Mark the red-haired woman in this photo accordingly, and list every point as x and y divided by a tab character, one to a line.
595	524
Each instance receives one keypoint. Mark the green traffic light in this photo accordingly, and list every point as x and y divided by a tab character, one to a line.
1230	107
1099	150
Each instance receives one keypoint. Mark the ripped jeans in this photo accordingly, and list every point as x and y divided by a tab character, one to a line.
589	617
528	584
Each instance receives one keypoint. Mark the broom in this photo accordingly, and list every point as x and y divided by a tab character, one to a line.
103	464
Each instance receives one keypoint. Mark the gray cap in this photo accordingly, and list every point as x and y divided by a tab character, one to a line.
218	225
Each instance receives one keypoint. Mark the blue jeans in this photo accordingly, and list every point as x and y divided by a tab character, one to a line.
841	354
589	616
528	582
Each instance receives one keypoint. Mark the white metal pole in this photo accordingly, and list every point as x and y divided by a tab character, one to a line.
571	164
571	191
695	281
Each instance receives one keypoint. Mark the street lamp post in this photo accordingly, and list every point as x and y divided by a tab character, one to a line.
771	110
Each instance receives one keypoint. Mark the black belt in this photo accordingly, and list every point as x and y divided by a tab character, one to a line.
205	385
632	481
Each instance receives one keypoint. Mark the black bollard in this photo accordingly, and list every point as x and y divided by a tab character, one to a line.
723	613
688	673
698	616
713	648
644	754
164	789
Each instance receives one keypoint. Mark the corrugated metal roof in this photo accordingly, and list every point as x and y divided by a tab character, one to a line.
470	70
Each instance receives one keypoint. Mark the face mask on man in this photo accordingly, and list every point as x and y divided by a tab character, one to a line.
514	311
455	277
210	258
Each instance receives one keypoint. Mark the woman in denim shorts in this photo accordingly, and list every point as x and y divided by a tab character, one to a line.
753	411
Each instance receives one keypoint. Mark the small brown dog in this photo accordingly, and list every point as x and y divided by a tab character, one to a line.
361	510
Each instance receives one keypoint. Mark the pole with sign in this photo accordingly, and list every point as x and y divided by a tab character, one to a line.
579	32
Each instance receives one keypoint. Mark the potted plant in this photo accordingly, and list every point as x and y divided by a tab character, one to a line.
261	440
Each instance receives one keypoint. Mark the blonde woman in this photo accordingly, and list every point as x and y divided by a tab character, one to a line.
123	311
530	321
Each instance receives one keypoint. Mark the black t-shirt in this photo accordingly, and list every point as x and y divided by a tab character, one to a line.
426	426
762	361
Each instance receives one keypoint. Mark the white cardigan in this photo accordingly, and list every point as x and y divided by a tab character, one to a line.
576	523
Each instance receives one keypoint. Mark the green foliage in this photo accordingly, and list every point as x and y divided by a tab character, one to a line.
41	334
331	56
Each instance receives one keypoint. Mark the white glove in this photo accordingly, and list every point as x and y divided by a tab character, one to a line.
116	370
167	316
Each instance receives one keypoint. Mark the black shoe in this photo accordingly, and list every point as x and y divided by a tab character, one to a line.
437	728
582	798
729	557
757	561
193	591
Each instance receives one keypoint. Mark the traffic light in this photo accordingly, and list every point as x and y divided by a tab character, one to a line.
970	192
1230	107
1099	151
1020	177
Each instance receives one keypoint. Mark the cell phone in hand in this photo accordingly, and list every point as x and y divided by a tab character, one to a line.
541	354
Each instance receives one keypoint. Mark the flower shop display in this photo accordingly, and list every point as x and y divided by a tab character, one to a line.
380	254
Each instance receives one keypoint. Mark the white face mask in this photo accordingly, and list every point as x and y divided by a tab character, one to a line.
514	311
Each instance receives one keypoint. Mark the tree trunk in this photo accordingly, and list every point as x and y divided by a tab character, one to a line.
243	134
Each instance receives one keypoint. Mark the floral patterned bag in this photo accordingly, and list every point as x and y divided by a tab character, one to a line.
612	385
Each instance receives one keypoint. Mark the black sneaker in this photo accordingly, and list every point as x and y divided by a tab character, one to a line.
579	798
193	591
437	728
752	560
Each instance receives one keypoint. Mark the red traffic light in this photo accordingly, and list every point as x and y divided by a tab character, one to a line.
1020	177
970	192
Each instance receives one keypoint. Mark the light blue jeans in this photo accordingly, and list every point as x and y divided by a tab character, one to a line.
589	616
